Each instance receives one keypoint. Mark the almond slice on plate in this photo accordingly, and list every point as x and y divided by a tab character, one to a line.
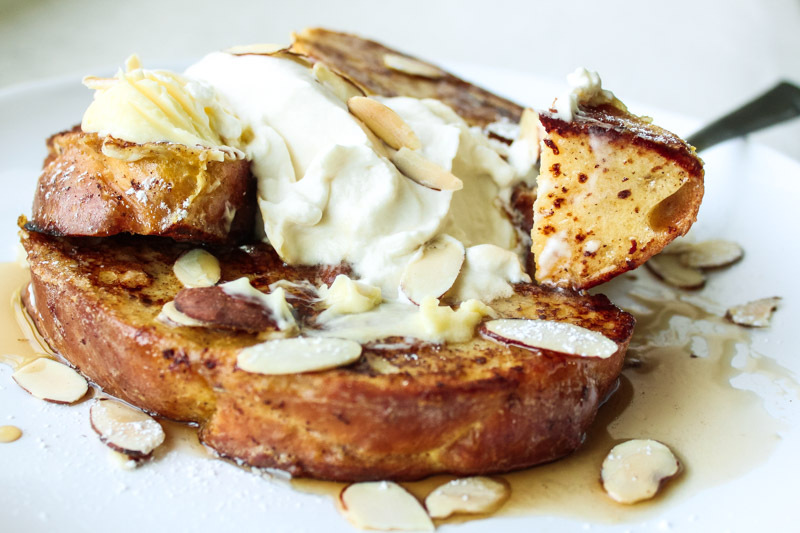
256	49
636	469
413	165
712	254
52	381
467	496
549	335
411	66
197	268
384	122
298	355
433	269
125	429
671	270
755	314
383	505
343	88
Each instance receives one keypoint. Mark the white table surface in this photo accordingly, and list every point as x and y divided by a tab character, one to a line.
699	58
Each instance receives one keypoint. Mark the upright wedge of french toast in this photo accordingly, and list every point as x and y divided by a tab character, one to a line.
157	189
400	412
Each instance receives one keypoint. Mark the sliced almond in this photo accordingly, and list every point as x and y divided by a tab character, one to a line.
171	315
197	268
298	355
524	151
712	254
343	88
425	172
383	505
433	269
52	381
670	269
636	469
549	335
125	429
384	123
256	49
413	67
467	496
754	314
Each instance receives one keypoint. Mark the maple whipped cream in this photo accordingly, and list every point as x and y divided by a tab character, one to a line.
328	193
152	106
586	88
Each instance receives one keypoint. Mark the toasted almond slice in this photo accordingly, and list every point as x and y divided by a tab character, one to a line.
171	315
125	429
433	269
549	335
411	66
754	314
712	254
672	271
636	469
197	268
343	88
678	246
298	355
384	123
383	505
425	172
256	49
467	496
51	381
524	151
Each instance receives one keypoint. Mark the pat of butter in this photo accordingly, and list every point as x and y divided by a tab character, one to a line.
150	106
346	296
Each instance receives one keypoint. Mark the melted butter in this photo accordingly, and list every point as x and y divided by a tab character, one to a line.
9	433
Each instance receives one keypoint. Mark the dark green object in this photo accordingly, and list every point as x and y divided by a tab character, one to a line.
779	104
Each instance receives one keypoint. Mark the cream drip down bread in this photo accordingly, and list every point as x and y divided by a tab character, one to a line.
379	320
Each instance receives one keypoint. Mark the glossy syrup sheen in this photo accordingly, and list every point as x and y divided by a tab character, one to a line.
675	388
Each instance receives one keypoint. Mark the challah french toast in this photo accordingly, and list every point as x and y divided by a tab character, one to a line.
407	407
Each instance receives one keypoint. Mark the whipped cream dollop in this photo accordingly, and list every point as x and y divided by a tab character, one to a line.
586	88
153	106
329	194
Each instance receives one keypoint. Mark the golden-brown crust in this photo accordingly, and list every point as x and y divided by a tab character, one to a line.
398	413
362	60
170	190
613	191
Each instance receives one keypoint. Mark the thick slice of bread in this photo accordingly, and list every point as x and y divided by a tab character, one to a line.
161	189
402	411
612	192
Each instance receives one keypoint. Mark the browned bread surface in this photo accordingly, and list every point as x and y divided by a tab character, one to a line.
612	192
362	60
170	190
400	413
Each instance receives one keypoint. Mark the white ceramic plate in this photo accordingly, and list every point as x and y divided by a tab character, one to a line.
58	478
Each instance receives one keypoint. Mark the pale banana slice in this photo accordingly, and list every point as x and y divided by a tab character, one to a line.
636	469
754	314
197	268
549	335
384	123
424	171
467	496
433	269
671	270
297	355
125	429
52	381
385	506
410	66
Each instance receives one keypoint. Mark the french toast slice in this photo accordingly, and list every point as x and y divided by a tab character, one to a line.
156	189
613	191
613	188
404	410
